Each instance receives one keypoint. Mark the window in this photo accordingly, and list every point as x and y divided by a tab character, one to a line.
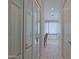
46	28
51	27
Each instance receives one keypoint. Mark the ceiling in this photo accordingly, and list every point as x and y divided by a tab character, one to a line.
56	4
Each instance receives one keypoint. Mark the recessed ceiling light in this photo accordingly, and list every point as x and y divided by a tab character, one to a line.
52	9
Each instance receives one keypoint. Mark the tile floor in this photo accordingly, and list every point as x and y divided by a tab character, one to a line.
51	51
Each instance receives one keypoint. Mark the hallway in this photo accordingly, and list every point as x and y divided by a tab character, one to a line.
30	21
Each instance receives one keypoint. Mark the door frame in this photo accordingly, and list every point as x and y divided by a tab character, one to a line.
36	2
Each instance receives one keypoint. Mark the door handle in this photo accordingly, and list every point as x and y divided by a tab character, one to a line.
28	46
69	42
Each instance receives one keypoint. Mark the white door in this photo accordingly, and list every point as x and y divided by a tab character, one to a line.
28	21
67	34
14	29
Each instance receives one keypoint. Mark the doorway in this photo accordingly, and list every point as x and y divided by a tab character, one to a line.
31	29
